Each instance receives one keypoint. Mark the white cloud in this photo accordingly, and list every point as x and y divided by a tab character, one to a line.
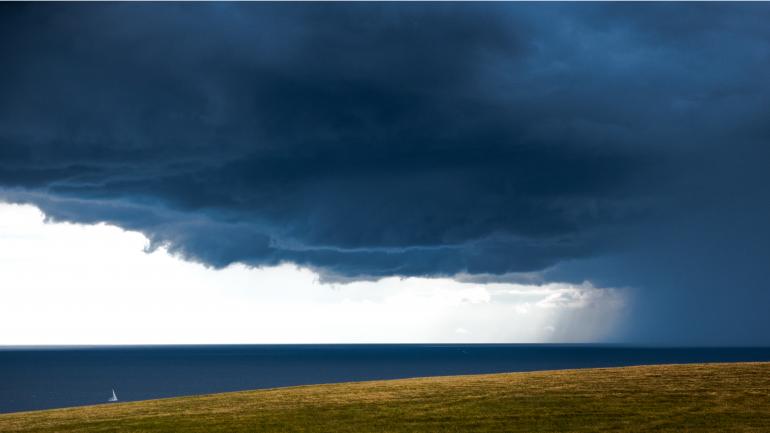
75	284
462	331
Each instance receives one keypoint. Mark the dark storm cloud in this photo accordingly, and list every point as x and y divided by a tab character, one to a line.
361	139
397	139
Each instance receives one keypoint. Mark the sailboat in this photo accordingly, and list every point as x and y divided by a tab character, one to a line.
114	397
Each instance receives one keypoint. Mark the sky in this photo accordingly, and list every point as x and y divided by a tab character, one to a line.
110	290
384	172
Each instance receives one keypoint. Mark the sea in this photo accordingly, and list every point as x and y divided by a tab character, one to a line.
55	377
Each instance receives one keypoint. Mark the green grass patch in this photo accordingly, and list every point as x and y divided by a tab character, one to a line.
683	398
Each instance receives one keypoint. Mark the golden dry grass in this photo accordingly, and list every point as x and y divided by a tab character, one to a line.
681	398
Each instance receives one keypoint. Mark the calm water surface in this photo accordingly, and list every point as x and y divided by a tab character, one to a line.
43	378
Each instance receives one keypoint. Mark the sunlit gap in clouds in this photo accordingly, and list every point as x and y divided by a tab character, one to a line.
63	283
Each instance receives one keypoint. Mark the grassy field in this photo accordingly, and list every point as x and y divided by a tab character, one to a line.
681	398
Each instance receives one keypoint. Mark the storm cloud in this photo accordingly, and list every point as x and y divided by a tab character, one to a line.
363	140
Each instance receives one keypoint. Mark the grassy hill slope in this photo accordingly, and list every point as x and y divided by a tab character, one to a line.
693	398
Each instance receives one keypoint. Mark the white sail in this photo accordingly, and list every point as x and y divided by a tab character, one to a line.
114	397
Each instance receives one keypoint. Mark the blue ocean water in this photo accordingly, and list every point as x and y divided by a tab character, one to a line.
43	378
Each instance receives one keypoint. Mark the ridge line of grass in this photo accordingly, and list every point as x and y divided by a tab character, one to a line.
696	397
